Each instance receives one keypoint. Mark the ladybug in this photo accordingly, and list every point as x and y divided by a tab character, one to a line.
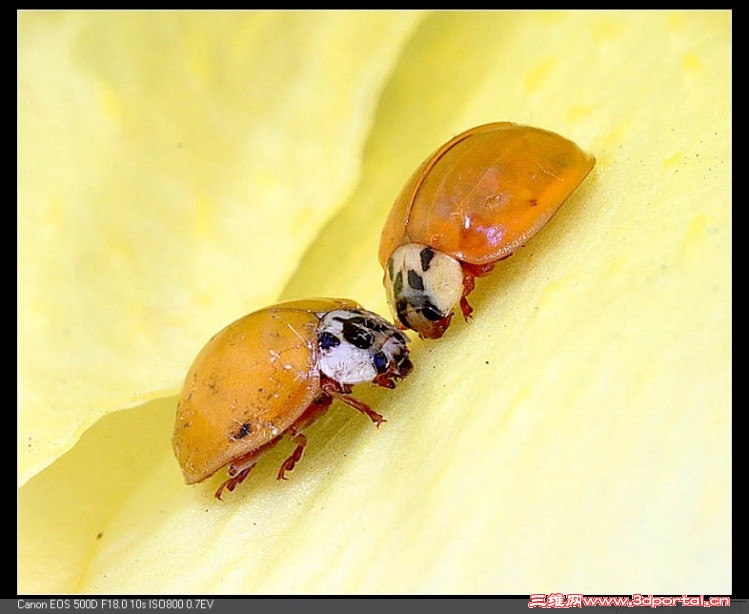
274	372
471	203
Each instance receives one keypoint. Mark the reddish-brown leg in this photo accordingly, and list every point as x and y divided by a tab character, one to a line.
316	409
233	482
332	389
296	455
468	285
466	308
240	467
343	393
470	273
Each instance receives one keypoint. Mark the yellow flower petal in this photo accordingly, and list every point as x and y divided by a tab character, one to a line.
575	436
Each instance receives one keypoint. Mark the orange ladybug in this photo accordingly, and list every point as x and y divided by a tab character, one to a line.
274	372
471	203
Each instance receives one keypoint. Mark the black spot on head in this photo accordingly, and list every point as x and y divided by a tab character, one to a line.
419	304
398	284
431	313
357	335
328	340
401	309
415	280
374	325
426	256
390	268
380	362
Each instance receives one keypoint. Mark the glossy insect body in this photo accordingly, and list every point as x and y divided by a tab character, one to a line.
273	372
473	202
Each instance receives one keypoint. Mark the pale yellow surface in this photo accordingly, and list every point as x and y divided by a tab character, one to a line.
177	170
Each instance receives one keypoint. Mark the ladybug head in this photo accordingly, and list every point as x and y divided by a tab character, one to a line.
423	286
357	346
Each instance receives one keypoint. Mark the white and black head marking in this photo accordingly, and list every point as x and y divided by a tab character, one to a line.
423	286
357	346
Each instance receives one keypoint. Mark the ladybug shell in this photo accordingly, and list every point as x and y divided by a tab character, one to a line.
249	383
485	192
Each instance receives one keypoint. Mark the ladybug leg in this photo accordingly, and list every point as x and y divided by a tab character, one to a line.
316	409
296	455
468	285
470	273
466	308
343	393
233	482
240	468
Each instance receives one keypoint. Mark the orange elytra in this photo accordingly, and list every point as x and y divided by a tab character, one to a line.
473	202
274	372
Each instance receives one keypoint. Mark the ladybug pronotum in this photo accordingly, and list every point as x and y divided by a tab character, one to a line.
274	372
473	202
